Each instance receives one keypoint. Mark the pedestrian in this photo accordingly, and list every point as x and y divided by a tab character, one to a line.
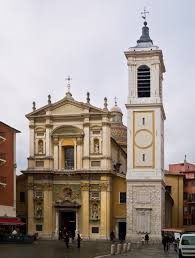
112	236
78	240
164	242
143	240
146	238
66	239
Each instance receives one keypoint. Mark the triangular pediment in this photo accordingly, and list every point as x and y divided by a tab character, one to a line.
65	106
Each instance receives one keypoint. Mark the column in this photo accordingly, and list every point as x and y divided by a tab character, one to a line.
47	140
86	144
56	153
57	225
31	226
77	222
47	227
31	139
85	210
79	153
106	147
105	208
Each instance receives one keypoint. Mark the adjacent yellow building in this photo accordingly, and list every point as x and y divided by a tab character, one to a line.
174	186
76	170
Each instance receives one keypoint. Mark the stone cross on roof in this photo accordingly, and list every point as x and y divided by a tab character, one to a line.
144	13
68	84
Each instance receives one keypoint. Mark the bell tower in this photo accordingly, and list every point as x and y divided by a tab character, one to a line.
145	154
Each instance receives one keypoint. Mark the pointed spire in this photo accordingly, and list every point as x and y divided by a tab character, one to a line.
88	98
49	99
34	106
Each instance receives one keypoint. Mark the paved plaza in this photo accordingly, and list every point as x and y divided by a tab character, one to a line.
89	249
149	251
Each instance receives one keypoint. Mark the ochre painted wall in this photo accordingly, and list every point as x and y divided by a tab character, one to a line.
176	183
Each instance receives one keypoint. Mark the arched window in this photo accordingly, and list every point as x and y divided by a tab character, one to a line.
40	146
143	81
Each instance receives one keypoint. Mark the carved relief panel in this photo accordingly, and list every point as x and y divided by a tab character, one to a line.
69	192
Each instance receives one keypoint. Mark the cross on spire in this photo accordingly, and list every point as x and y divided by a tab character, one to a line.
115	101
68	79
144	13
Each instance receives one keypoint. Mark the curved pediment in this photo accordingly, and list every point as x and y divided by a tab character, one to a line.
67	131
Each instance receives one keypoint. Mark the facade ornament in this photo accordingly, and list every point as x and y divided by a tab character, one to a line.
105	104
88	98
84	186
49	99
34	106
55	140
30	186
104	186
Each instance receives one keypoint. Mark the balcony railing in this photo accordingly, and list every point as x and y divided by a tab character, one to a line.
69	164
2	159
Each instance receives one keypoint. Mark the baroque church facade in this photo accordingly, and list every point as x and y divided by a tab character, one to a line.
76	169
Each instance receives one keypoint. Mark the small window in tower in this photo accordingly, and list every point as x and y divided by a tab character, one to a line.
143	81
143	121
143	157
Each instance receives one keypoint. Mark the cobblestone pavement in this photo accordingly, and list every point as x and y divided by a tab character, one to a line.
54	249
149	251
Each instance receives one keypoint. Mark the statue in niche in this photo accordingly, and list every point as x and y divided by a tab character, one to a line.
40	147
67	193
39	212
95	211
96	146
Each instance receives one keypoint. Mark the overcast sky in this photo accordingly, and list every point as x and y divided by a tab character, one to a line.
43	41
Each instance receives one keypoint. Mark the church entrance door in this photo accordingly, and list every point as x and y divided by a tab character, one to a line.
67	222
122	230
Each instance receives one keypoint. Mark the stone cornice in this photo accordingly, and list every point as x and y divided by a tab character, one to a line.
147	105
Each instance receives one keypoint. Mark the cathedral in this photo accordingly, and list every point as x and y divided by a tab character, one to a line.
76	169
83	161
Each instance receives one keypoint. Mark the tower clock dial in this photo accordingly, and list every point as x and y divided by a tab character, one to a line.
143	139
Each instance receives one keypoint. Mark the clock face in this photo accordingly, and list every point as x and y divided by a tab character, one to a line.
143	139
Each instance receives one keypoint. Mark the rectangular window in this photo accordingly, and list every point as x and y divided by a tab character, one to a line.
69	157
122	197
22	196
39	227
193	182
95	163
185	196
185	209
193	197
95	230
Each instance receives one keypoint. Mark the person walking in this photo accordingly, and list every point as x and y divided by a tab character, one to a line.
78	240
146	238
66	239
164	242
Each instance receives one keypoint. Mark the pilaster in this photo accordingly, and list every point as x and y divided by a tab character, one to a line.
85	210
